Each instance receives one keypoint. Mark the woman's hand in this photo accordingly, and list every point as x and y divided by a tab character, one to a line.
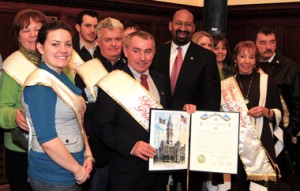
88	164
21	120
259	111
86	169
81	175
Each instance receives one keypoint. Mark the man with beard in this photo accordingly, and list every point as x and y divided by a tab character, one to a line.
85	41
86	46
286	74
197	81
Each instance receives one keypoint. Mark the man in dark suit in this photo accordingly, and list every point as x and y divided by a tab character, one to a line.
127	140
198	80
286	74
110	41
84	42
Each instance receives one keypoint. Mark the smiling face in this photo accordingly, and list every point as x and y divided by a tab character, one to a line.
57	49
182	27
220	51
28	35
246	60
140	53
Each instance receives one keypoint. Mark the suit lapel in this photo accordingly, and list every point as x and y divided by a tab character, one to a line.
160	88
166	69
166	64
128	71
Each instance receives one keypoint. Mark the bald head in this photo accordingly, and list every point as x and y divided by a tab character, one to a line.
182	27
183	13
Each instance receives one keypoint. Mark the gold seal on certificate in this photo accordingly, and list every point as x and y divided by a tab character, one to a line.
201	158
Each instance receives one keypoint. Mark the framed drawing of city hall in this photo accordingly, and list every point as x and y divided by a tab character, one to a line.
202	141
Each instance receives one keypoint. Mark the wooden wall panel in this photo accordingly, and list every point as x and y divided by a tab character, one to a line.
235	34
146	19
6	45
154	17
286	30
291	43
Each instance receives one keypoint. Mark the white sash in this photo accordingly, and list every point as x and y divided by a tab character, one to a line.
18	67
75	102
73	63
130	95
286	113
91	72
251	151
278	132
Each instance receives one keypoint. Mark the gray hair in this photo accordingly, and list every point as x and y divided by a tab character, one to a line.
109	23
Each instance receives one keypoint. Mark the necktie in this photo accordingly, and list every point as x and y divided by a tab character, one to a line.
144	81
176	68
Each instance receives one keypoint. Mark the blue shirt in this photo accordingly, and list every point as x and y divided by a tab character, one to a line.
42	103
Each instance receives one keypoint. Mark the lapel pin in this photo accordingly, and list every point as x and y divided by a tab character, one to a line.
192	58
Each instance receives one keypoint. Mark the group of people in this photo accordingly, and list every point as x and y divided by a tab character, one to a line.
84	137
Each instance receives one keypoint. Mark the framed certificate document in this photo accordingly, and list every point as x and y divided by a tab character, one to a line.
202	141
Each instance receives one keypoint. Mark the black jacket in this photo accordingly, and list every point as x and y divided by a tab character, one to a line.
286	74
99	150
198	81
84	53
119	131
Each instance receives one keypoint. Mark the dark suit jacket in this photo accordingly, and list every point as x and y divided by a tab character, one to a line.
198	81
286	74
99	150
83	53
119	131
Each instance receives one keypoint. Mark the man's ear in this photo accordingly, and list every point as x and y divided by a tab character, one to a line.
125	51
77	26
194	28
170	25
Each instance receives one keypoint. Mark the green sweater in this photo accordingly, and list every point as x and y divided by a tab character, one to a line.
10	101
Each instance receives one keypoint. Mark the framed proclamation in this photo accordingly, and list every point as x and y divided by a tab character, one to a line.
202	141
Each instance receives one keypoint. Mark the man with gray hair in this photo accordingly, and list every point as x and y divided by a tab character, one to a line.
110	42
114	124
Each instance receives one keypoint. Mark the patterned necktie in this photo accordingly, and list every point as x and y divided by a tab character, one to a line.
176	68
144	81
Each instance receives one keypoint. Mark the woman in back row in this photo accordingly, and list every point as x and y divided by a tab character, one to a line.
26	26
223	54
203	39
